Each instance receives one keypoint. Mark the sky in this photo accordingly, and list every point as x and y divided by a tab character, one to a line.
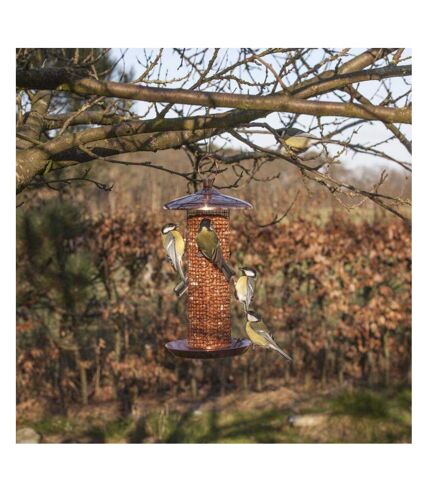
373	133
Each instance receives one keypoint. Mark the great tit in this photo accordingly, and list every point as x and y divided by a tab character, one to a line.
244	287
173	243
209	246
258	334
296	140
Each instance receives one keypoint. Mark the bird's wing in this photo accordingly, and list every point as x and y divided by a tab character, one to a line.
171	251
219	261
240	288
309	138
237	288
291	132
295	132
257	333
250	290
207	242
217	257
211	247
260	329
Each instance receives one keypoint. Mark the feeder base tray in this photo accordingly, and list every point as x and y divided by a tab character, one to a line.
180	348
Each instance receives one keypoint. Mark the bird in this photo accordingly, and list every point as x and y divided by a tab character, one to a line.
259	335
209	246
244	287
173	243
296	140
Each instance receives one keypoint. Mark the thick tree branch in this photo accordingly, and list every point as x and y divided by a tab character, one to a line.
64	80
300	89
95	117
35	161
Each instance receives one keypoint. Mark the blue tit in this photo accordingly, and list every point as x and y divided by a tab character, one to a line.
259	335
296	140
209	246
173	243
244	287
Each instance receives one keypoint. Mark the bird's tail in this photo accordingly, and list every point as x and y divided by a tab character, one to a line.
284	354
181	288
227	270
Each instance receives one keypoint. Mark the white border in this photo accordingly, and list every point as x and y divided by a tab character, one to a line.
208	467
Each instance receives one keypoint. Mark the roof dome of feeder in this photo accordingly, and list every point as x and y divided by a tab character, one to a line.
206	199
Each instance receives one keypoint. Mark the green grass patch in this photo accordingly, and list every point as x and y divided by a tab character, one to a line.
359	415
53	425
360	404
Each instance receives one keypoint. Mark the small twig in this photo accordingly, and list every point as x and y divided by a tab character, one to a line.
277	219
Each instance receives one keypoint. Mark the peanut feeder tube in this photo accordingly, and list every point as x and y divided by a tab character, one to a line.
208	297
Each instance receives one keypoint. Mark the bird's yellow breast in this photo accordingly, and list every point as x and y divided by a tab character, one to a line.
179	243
254	336
241	286
207	241
297	142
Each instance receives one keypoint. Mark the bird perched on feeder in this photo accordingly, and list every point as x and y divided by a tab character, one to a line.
296	140
173	243
258	334
244	287
209	246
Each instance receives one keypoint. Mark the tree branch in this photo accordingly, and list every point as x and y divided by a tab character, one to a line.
65	80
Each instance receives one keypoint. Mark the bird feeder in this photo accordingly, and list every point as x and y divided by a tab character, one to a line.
209	332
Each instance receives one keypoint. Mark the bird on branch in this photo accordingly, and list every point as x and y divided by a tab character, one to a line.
296	141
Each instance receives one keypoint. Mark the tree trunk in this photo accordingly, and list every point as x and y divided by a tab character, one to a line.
245	379
259	378
83	379
194	387
386	358
62	402
97	378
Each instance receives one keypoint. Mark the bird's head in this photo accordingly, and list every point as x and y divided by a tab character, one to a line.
168	228
249	272
252	316
205	223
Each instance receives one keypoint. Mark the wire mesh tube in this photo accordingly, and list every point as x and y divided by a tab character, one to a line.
209	321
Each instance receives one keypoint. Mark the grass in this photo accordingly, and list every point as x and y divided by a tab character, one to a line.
53	425
361	415
361	404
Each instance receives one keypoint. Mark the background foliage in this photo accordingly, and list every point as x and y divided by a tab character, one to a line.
95	308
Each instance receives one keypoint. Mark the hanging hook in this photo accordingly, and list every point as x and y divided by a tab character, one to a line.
208	160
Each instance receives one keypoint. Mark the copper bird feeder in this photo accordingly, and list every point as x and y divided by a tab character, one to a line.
208	297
